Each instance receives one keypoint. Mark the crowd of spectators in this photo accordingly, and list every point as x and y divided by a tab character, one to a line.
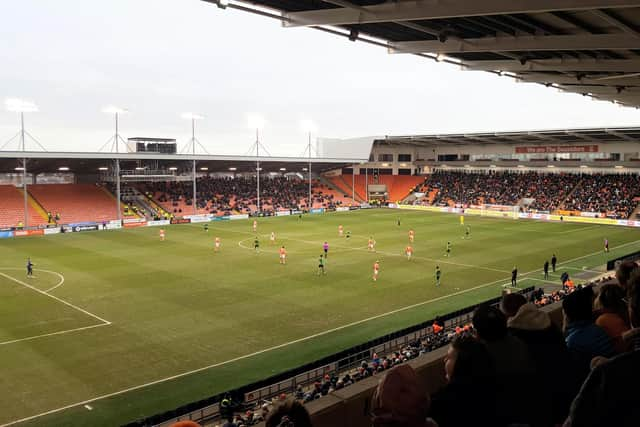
612	195
222	195
606	194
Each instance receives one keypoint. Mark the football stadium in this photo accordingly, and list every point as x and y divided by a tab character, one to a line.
438	279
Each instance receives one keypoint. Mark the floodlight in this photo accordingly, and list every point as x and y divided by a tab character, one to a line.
305	169
308	126
222	4
19	168
191	116
20	105
63	168
139	168
233	169
255	121
204	168
283	169
103	168
173	168
112	109
440	57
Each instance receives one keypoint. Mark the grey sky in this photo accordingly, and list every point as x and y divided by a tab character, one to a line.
159	58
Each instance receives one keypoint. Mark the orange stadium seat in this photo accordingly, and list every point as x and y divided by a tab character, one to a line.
76	202
12	208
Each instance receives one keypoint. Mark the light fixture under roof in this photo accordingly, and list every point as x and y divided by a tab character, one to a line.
103	168
232	169
204	168
19	168
173	168
139	168
283	169
63	168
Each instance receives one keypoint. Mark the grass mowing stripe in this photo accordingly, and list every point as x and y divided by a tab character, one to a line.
85	402
169	296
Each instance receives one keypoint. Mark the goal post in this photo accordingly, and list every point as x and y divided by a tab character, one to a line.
500	211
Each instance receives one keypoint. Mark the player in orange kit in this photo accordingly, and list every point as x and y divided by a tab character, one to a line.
371	245
340	230
283	255
255	225
216	248
376	270
411	235
162	234
408	251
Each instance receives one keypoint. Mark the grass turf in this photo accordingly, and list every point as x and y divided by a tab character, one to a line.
176	306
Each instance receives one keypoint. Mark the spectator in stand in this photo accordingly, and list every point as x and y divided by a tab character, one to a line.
401	400
585	340
612	314
547	348
608	397
289	413
515	372
624	272
469	397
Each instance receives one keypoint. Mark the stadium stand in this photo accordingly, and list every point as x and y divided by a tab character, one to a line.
12	208
609	194
219	196
398	186
76	202
602	194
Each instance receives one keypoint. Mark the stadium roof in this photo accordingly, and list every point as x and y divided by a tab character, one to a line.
590	47
555	136
45	161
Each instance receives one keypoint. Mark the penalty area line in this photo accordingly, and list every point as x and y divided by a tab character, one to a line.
66	331
75	307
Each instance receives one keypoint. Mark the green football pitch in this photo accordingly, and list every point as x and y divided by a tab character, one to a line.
118	325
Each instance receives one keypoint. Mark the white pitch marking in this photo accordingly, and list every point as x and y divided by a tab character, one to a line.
573	230
83	328
226	362
60	283
82	310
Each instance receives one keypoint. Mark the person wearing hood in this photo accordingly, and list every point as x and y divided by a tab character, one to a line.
401	400
547	348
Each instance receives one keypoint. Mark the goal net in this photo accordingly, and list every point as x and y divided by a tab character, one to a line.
500	211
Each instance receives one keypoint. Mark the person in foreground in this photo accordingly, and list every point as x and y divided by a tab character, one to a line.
401	400
469	397
290	413
608	397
